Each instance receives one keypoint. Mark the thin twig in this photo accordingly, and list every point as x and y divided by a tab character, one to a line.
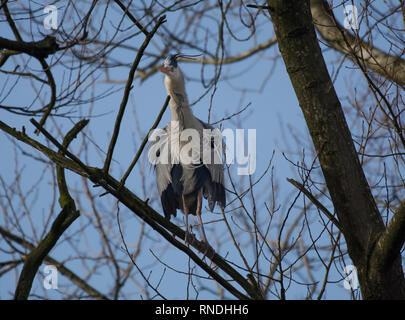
319	205
130	16
145	140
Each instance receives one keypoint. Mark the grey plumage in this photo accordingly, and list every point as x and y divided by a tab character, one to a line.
175	180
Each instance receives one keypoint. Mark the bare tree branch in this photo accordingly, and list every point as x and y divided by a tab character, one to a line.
388	66
82	284
64	219
389	245
37	49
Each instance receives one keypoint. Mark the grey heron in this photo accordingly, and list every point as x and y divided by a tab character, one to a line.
183	185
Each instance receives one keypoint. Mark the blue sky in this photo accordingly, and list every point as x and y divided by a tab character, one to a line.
274	112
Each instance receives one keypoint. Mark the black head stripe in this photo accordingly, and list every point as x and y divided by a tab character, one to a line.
171	61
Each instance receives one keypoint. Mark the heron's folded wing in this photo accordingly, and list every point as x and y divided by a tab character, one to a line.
214	191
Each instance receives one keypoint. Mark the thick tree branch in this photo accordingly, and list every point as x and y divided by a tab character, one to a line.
389	245
388	66
37	49
64	219
82	284
55	157
340	39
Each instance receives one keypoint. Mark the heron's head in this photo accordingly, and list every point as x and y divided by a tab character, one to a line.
170	67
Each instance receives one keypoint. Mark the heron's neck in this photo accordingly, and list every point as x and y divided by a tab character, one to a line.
179	106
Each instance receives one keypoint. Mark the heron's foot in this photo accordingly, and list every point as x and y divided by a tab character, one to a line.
209	251
190	238
202	246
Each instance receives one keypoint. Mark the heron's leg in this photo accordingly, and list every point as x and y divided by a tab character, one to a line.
199	206
209	250
188	238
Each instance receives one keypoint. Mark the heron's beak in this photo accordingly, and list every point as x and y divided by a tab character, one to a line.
164	69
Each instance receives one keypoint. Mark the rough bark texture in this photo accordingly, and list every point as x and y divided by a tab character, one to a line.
354	204
38	49
63	221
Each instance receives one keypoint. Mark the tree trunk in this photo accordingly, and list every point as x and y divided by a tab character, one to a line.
354	204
